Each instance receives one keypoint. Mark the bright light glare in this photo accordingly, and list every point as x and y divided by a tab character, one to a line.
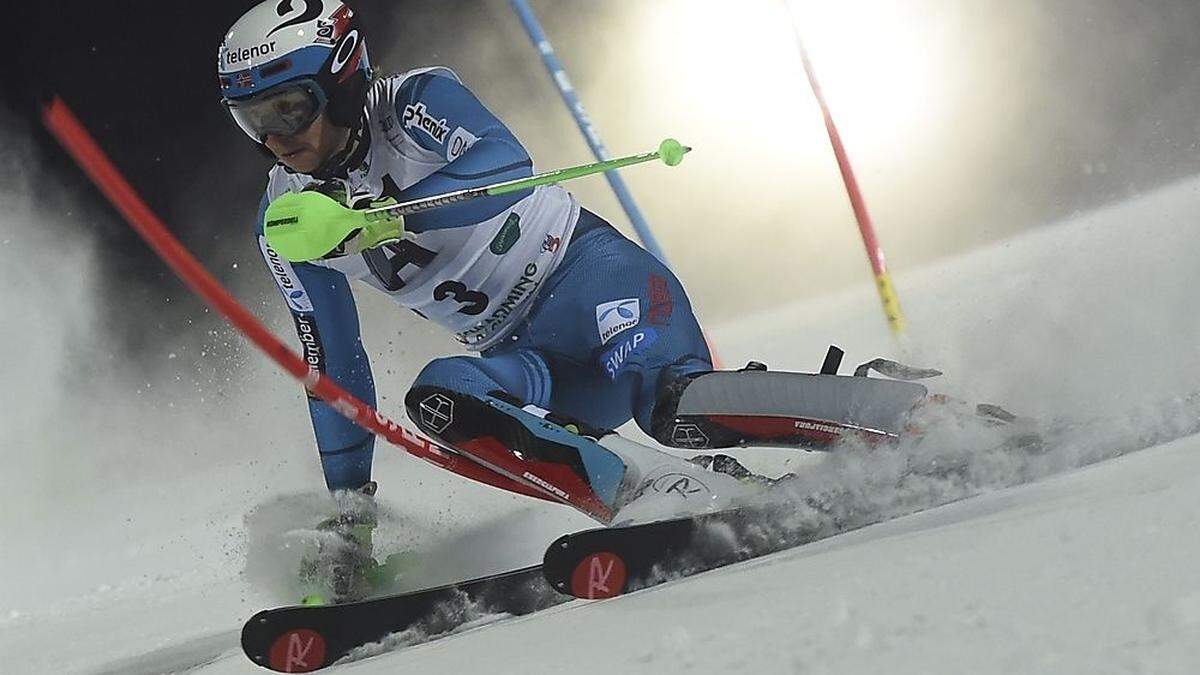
873	58
876	62
732	70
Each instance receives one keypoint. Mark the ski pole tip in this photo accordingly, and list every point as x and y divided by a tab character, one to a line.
671	152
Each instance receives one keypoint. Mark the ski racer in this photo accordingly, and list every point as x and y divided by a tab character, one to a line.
577	328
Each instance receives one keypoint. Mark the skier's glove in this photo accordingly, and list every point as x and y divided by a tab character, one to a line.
311	225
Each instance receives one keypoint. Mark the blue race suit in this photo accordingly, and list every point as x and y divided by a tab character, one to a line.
568	314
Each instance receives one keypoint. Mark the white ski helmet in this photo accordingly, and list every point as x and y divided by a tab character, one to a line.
286	61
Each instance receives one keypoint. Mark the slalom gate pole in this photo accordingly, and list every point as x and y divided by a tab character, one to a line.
566	90
533	28
883	280
63	124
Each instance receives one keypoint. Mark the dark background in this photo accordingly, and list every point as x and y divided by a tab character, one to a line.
1107	95
141	76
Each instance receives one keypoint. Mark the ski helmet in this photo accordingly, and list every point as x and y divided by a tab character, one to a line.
286	61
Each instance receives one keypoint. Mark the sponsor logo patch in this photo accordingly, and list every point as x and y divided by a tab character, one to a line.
437	412
520	291
662	305
285	277
233	56
508	235
615	359
545	485
688	436
329	30
614	317
344	54
417	115
325	33
310	343
805	425
278	222
460	141
551	243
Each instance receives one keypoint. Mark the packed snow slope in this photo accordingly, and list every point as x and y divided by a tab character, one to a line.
1091	572
142	535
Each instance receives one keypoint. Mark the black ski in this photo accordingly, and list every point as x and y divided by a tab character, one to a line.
300	639
606	562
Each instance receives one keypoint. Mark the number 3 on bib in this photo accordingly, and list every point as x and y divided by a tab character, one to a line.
473	302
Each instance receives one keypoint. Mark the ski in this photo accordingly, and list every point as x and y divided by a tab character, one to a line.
607	562
301	638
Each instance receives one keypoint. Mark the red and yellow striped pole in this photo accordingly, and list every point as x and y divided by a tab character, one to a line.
70	132
883	280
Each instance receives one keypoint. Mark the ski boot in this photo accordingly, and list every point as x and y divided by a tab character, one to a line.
343	567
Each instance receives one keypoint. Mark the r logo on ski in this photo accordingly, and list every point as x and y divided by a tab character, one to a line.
297	651
678	483
598	576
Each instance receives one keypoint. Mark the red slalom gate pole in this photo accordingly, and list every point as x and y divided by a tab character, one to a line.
61	122
883	280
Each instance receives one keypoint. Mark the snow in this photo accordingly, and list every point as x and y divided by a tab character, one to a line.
1085	570
1090	572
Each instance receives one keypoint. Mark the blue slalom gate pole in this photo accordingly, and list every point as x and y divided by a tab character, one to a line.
534	29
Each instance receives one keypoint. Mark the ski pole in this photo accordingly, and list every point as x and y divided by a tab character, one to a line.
379	225
76	140
566	91
558	75
670	151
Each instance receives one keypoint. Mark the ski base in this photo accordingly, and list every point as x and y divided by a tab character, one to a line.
301	639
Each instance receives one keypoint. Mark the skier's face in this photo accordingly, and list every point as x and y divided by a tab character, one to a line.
305	151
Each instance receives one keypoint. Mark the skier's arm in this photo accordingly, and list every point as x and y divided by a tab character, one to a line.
479	148
326	319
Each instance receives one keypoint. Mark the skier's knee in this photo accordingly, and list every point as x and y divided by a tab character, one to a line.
427	402
456	373
523	375
449	378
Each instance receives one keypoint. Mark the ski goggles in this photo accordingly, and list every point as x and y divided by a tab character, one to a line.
283	110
